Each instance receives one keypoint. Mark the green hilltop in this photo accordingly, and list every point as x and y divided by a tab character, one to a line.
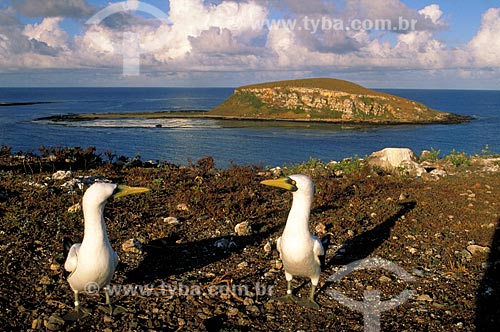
326	100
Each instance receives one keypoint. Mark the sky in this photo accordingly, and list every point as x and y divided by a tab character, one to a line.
417	44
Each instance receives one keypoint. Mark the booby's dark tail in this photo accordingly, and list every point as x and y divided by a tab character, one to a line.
67	244
325	242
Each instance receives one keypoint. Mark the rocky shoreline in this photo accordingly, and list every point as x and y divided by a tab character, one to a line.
198	252
448	118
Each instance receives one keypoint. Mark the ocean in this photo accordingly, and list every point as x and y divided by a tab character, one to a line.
239	142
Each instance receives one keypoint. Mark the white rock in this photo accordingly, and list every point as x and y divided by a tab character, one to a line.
268	247
171	220
395	160
438	172
62	175
391	158
243	228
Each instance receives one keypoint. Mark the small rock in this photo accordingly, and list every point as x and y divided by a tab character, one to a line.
403	196
424	297
75	208
55	267
171	220
132	246
321	228
62	175
384	279
253	309
438	172
36	324
243	229
45	280
232	312
276	171
242	265
475	249
182	207
278	265
107	319
412	250
350	232
268	247
54	323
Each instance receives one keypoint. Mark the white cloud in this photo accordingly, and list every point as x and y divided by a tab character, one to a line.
48	31
434	13
485	46
226	36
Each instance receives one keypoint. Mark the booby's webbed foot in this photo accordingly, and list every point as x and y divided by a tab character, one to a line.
77	314
288	298
308	302
113	310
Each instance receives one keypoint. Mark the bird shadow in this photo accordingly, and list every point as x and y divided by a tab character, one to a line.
163	257
488	294
362	245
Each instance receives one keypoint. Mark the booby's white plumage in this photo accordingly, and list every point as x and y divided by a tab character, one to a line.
299	249
92	262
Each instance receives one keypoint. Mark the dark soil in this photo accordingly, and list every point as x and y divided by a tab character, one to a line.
199	275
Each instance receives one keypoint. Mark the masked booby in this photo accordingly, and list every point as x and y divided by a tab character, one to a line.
92	262
299	249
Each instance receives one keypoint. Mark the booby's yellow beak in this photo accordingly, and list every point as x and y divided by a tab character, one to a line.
284	183
123	190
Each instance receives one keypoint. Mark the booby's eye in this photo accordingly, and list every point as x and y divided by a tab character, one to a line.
293	182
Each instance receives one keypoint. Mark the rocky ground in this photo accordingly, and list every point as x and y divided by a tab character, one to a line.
203	256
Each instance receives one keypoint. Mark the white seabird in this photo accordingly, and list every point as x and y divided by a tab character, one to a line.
92	263
299	249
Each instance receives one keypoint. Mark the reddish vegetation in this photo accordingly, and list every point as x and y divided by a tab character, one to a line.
422	227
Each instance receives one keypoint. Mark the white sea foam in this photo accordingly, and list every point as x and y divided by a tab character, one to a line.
144	123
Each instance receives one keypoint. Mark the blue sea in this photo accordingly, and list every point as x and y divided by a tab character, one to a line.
241	142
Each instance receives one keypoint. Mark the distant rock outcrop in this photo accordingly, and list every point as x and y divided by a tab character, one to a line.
326	100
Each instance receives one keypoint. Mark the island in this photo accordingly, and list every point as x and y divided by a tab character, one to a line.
304	100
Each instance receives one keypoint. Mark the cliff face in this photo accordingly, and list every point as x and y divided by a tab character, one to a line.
322	103
325	102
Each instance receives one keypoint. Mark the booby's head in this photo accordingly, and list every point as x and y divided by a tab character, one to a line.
296	183
99	193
